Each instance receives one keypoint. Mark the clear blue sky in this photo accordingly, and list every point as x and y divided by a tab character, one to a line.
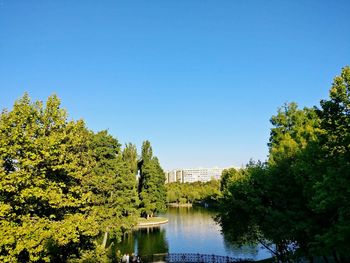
199	79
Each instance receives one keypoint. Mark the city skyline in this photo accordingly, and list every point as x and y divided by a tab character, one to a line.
198	79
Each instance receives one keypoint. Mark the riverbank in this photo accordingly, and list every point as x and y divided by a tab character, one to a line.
153	221
179	205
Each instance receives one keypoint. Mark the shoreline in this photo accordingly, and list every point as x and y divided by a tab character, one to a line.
154	221
179	205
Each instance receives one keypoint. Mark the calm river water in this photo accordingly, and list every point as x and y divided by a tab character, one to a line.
190	230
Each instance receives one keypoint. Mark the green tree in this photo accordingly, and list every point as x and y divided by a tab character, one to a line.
130	157
293	132
152	191
43	162
298	200
242	206
147	152
332	173
113	187
193	192
274	192
228	175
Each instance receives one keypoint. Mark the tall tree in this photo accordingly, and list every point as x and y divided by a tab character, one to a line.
274	192
331	194
147	152
113	187
293	132
152	191
43	162
242	206
130	157
303	186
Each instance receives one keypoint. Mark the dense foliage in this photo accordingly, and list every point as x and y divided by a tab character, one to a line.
152	191
63	189
299	199
44	161
113	186
189	193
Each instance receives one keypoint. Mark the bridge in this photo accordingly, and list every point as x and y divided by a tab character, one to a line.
192	258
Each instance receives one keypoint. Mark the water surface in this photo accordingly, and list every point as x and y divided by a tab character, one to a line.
189	230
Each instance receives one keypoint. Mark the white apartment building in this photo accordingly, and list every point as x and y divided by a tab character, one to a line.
194	175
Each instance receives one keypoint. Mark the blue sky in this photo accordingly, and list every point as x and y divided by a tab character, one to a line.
199	79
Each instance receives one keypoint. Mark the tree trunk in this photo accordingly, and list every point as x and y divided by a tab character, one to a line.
104	242
267	247
278	254
325	259
335	256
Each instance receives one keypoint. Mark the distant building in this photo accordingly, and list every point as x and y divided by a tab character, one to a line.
194	175
170	176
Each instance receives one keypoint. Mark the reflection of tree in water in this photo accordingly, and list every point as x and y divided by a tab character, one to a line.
127	244
189	230
232	247
189	211
145	241
151	241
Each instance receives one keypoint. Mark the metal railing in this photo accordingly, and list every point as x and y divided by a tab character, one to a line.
192	257
204	258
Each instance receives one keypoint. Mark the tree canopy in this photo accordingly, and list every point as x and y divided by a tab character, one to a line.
152	191
63	187
44	160
113	186
298	199
182	193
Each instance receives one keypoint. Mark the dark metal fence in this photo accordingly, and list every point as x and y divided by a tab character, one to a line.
203	258
191	258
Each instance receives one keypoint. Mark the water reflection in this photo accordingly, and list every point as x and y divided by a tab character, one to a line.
241	251
190	230
151	241
145	241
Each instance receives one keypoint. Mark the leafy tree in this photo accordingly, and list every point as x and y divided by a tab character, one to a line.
43	162
273	192
147	152
172	194
298	200
151	183
242	206
113	187
294	130
228	175
331	194
323	170
193	192
130	157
